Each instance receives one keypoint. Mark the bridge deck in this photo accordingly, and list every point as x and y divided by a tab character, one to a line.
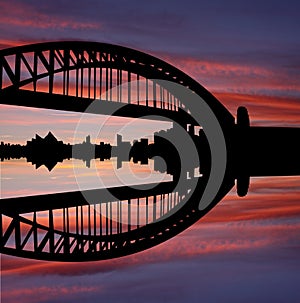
28	98
19	205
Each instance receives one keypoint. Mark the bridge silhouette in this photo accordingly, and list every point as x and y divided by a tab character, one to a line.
113	222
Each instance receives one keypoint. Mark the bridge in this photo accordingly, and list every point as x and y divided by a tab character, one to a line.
62	73
106	79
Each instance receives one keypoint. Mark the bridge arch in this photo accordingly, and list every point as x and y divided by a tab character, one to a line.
89	70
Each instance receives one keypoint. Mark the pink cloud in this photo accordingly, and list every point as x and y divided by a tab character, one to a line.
38	294
239	78
264	110
268	198
25	15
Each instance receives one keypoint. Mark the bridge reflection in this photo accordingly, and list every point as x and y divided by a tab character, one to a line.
66	227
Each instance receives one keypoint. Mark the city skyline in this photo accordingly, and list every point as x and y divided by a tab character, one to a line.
49	151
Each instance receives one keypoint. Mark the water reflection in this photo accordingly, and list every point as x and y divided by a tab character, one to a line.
20	178
62	166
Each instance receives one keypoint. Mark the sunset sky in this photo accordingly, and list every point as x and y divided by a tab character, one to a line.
245	53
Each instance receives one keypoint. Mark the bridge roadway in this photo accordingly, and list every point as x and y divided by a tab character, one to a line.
21	97
21	205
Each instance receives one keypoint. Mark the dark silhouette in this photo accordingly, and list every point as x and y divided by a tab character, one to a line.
124	220
49	151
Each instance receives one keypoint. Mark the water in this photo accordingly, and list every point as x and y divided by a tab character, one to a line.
19	124
20	178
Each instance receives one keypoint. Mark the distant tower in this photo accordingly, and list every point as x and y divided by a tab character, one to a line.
88	139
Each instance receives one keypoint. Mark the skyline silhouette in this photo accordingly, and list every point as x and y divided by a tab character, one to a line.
48	151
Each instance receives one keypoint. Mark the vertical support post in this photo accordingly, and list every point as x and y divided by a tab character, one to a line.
147	210
68	82
95	220
100	219
89	224
35	237
51	71
35	70
154	94
110	218
120	216
95	82
110	81
81	225
17	233
65	73
100	82
154	208
81	74
138	212
51	232
129	215
147	94
129	87
118	85
121	85
77	221
64	220
106	83
77	77
162	205
17	69
138	89
106	219
100	224
89	77
89	220
64	82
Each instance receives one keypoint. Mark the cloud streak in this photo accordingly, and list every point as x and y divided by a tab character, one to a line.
239	78
25	15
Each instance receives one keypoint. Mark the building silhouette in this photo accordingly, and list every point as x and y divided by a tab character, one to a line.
49	151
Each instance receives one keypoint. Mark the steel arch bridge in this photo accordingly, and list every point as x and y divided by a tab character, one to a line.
70	76
89	71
